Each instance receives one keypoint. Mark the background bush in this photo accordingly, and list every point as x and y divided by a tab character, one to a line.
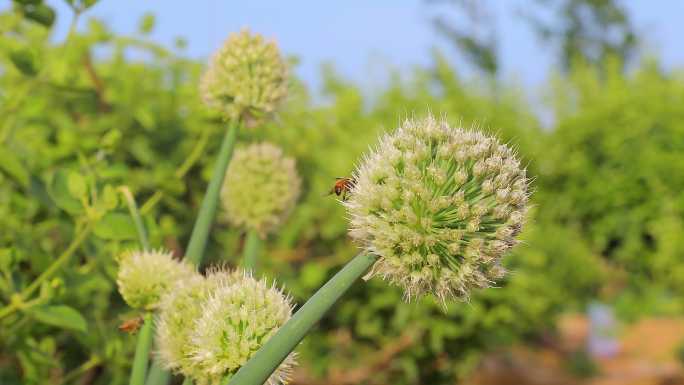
81	117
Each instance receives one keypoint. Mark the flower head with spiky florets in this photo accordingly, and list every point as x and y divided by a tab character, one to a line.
145	276
179	309
260	188
236	320
246	78
439	206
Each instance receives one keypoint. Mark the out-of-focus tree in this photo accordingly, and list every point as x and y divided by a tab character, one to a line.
477	39
589	30
585	30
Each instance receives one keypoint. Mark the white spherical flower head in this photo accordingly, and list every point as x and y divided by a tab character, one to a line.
246	79
145	276
235	322
439	206
260	188
179	310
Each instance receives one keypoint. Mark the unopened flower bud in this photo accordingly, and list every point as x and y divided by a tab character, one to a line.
260	189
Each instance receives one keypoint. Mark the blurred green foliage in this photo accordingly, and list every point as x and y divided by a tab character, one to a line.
81	117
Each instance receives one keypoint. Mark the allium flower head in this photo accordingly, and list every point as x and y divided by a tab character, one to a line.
176	321
439	206
145	276
246	78
260	188
179	309
235	322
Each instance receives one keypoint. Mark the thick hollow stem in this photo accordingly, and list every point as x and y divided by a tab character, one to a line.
142	349
251	251
200	232
257	370
142	352
158	375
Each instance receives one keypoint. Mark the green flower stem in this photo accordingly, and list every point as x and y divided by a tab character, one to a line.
137	219
142	349
86	366
60	261
18	299
257	370
251	250
142	352
158	375
187	381
195	155
200	233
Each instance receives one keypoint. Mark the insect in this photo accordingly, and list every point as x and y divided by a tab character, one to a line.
131	325
342	187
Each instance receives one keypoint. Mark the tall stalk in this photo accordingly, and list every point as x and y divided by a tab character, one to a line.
142	352
251	251
142	348
257	370
158	375
200	232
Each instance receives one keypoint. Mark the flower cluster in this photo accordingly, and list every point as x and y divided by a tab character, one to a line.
246	78
260	188
209	327
144	277
236	320
176	322
439	206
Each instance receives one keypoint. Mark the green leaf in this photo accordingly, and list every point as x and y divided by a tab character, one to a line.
61	195
10	163
28	2
115	226
5	259
41	14
89	3
145	117
109	198
112	138
77	185
81	5
24	61
61	316
146	23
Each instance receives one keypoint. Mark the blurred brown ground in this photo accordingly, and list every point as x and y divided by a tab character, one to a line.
646	356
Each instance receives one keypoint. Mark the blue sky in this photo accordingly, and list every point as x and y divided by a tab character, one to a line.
363	37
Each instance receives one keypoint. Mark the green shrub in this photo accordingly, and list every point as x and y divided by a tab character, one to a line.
615	170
